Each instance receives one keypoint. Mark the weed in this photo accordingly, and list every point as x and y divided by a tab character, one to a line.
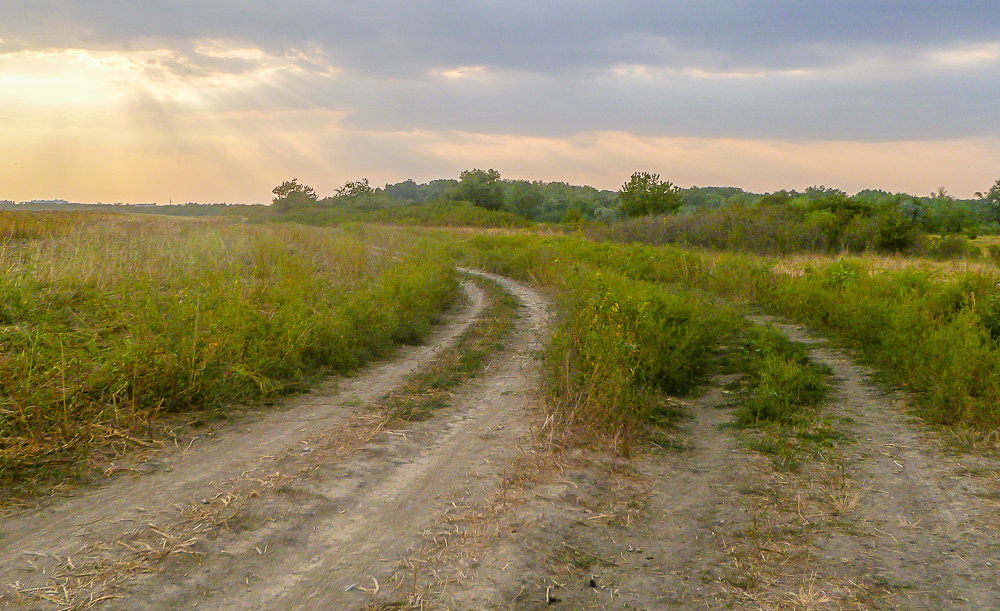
781	380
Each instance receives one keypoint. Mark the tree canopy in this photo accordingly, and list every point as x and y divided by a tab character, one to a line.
292	194
481	187
990	201
646	194
292	187
355	188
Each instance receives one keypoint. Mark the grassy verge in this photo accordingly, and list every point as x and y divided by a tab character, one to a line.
620	345
107	325
933	328
431	388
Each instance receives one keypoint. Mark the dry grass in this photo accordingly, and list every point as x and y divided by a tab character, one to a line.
112	322
774	560
102	571
875	264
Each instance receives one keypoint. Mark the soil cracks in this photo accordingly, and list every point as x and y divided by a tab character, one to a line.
325	504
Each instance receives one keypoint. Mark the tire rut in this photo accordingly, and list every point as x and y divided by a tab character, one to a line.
333	536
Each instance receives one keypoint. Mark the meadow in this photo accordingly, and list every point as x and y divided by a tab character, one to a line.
110	324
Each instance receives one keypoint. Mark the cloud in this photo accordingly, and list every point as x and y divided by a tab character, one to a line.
397	37
316	85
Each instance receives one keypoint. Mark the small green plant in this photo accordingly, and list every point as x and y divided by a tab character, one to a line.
782	383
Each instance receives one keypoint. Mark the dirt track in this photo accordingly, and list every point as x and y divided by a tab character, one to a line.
185	495
885	518
320	506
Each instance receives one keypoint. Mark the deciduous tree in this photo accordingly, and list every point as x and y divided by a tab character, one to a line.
481	187
991	201
645	194
355	188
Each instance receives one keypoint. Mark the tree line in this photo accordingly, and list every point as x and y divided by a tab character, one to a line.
879	219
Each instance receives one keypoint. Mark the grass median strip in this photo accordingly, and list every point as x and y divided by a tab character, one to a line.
780	396
431	388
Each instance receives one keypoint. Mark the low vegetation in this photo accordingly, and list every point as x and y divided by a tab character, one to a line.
933	328
110	322
782	385
620	345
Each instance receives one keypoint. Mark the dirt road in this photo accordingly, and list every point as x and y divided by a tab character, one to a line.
94	545
885	517
322	506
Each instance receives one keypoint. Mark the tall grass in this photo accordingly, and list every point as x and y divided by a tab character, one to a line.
370	210
621	345
932	328
112	324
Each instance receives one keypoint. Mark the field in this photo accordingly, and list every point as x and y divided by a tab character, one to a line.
507	417
111	326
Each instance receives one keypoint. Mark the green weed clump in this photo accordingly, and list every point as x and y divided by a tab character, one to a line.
113	325
622	345
782	383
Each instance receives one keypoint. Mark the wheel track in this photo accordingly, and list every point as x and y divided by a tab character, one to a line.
352	521
923	523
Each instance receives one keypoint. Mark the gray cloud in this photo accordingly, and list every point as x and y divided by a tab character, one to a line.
399	37
550	63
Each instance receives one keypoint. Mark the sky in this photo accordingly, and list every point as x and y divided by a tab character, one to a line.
221	100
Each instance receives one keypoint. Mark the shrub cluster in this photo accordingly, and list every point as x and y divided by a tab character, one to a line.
621	345
937	333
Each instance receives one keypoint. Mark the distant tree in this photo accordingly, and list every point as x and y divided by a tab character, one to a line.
991	202
645	194
481	187
779	198
817	192
524	198
291	194
440	189
292	187
355	188
408	190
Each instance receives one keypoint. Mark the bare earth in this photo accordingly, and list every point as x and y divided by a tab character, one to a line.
322	505
886	518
